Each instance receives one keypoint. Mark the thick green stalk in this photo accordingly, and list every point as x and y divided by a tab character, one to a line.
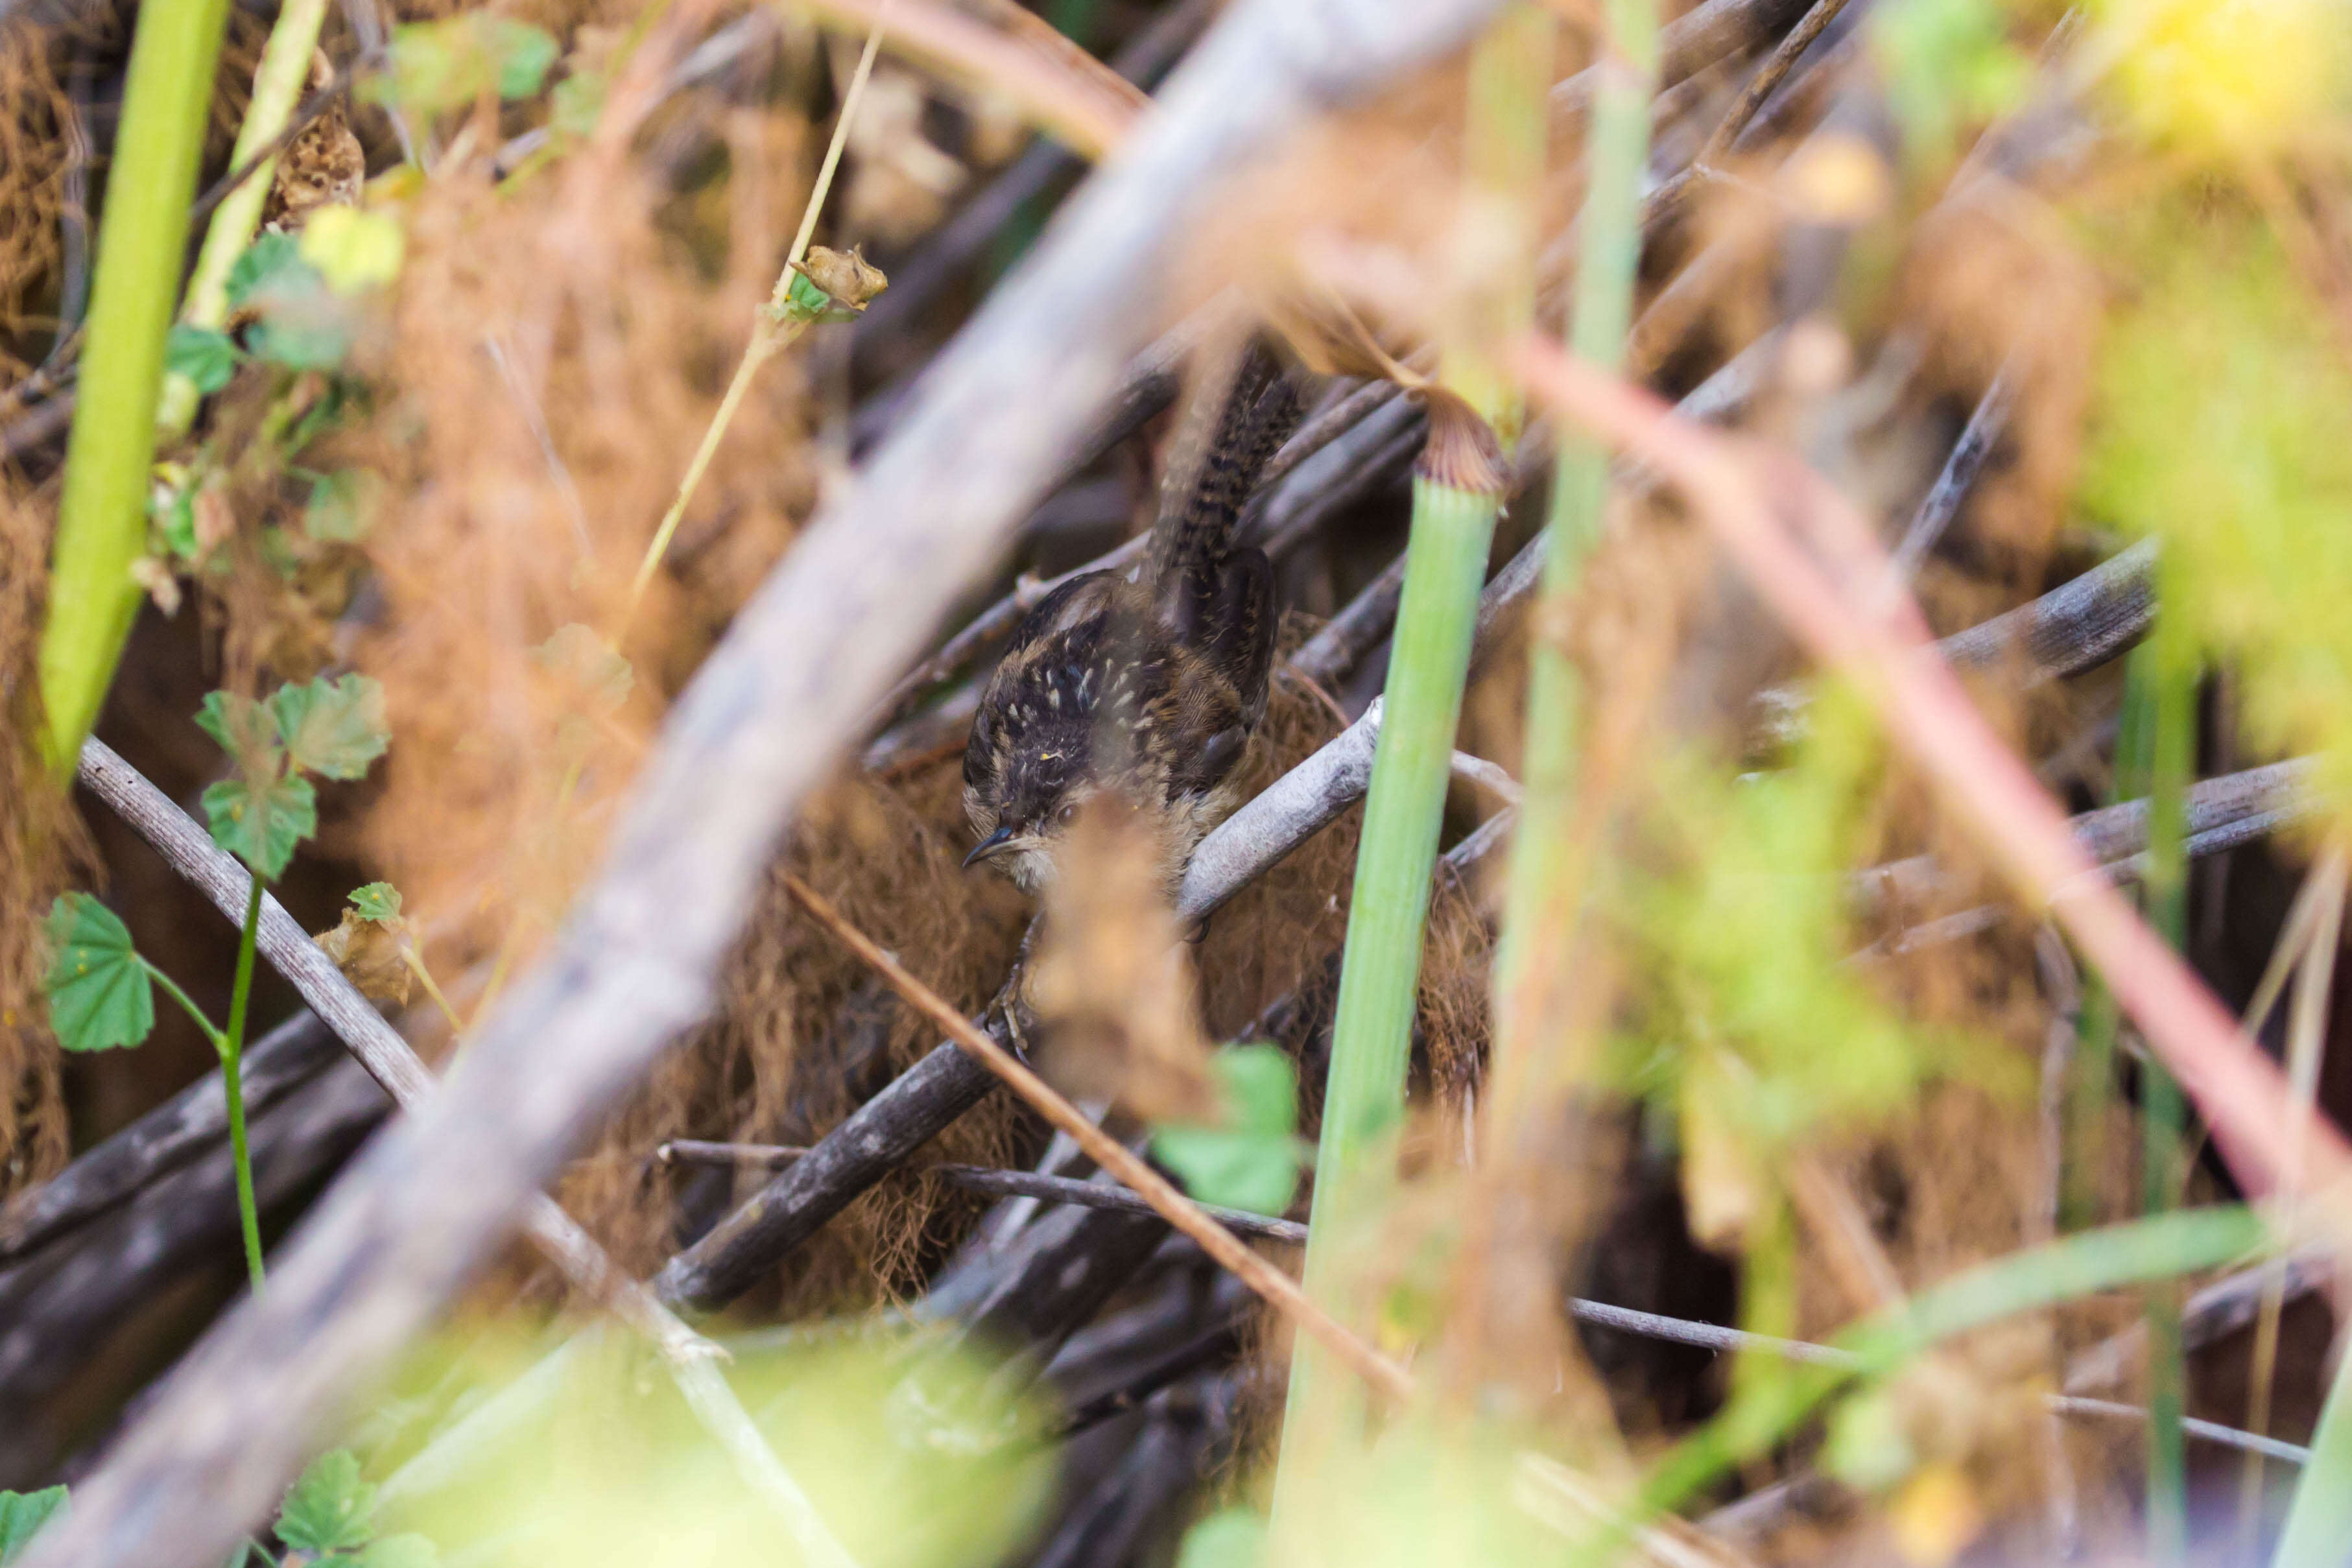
1541	895
1457	492
2319	1520
276	84
2167	673
232	1049
1380	972
103	514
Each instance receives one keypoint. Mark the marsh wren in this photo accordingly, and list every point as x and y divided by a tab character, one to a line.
1150	686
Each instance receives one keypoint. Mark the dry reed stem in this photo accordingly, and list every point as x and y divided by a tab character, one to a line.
1278	1289
1743	496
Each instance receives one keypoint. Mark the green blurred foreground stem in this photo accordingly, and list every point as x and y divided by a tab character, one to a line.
102	513
276	84
1458	488
1540	910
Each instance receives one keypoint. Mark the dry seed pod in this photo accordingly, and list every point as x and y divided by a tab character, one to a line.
368	953
845	275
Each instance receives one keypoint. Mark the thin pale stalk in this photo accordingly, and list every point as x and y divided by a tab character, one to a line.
409	956
2307	1041
187	1003
1540	904
771	332
102	513
276	84
232	1048
1372	1032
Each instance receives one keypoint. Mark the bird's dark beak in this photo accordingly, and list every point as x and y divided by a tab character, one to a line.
989	846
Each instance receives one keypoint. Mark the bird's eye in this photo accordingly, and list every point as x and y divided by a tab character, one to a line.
1066	813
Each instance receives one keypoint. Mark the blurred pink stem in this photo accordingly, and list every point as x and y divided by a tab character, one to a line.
1747	496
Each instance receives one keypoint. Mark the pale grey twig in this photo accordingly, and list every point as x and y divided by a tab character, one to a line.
699	1151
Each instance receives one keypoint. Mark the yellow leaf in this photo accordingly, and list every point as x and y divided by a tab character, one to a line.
353	250
1720	1182
2230	76
1936	1515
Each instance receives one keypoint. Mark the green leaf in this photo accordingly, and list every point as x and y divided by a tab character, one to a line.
22	1514
577	103
261	824
327	1507
1230	1538
100	993
589	663
1251	1161
206	357
243	728
353	250
377	902
1948	63
521	53
266	260
406	1551
177	516
2256	561
441	66
341	509
303	326
335	728
1868	1448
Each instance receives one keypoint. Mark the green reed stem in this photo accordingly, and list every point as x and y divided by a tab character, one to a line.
2166	673
1539	909
231	1051
228	1044
1454	511
2155	746
102	513
277	85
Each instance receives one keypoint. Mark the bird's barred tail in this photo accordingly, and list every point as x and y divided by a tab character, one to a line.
1210	481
